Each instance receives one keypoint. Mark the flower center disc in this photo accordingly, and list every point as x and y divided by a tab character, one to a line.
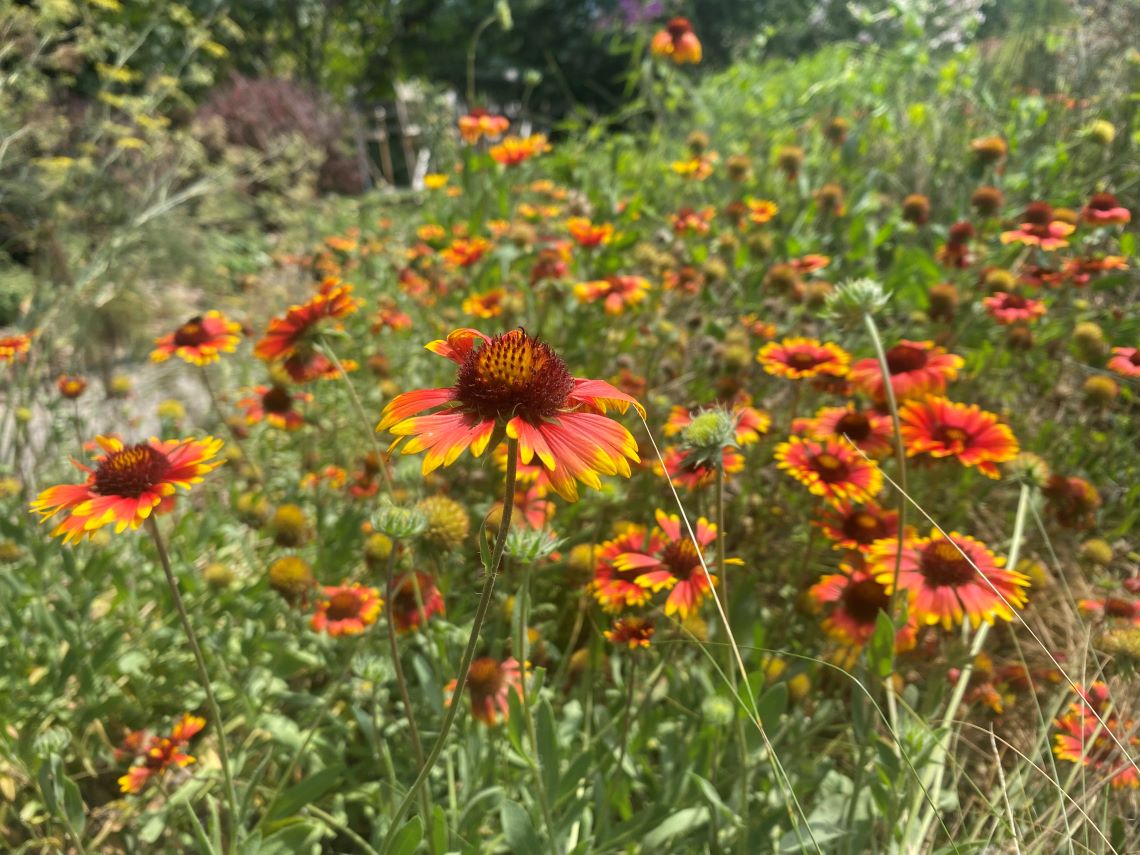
131	471
863	527
803	361
855	425
1014	301
343	606
277	400
944	566
192	333
485	677
513	374
952	435
830	468
903	357
864	600
680	557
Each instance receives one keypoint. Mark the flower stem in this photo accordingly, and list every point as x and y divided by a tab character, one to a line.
900	463
401	681
203	674
254	468
491	572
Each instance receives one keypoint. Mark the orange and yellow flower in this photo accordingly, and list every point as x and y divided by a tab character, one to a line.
162	753
14	346
678	42
691	221
829	468
479	124
1040	228
489	684
126	484
516	385
71	386
274	404
853	526
587	234
692	472
940	428
485	304
200	340
289	339
616	588
1092	732
464	252
632	631
950	580
799	358
917	368
855	598
617	293
761	211
870	430
412	599
346	609
672	561
514	150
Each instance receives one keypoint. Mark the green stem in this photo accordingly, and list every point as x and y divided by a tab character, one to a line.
402	683
381	457
528	716
627	719
900	463
203	675
254	468
491	572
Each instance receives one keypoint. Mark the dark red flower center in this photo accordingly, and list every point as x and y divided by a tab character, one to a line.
905	357
960	232
513	374
863	600
951	435
277	400
1135	357
855	425
485	678
131	471
343	605
1038	213
193	333
943	566
677	27
830	468
1118	607
681	558
1014	301
802	360
864	527
1103	202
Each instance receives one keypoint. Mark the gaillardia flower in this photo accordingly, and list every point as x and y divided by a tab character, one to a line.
829	468
274	404
479	123
199	340
857	526
949	581
672	562
1125	361
1103	210
126	484
616	292
677	41
941	428
1040	228
799	358
617	589
162	753
1084	739
857	599
916	368
289	339
870	430
1009	309
513	150
413	599
516	384
489	683
632	631
346	609
14	346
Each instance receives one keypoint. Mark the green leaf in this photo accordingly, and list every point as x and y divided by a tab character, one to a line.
438	829
772	704
547	737
1127	244
679	824
306	792
408	837
881	649
293	839
518	829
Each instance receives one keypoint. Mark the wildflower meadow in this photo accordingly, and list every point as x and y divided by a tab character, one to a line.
611	427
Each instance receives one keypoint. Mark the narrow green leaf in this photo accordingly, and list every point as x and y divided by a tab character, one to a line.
519	830
306	792
547	735
679	824
772	704
881	649
438	829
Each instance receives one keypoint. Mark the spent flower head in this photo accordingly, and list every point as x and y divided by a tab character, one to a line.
529	544
708	434
855	298
399	523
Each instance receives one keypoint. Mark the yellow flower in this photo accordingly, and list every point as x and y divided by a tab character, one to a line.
435	180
